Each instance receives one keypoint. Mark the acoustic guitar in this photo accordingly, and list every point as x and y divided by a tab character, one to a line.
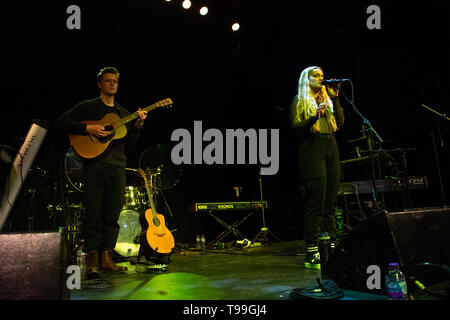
155	233
89	146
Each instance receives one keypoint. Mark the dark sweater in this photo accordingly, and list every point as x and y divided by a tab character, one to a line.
95	109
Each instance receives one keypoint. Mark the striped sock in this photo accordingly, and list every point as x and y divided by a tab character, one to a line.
312	249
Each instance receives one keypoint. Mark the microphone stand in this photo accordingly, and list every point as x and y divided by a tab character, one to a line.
433	134
370	133
265	231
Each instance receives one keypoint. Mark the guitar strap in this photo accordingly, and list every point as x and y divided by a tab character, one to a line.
117	106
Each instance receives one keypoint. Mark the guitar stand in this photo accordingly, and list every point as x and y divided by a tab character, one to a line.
231	228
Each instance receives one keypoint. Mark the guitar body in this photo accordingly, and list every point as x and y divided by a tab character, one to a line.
155	235
88	146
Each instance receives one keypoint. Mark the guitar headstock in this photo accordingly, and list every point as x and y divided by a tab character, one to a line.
146	176
142	174
165	103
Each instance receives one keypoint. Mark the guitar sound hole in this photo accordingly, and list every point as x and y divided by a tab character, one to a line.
156	222
107	138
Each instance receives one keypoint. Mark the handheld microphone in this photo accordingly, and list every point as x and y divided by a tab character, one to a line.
334	81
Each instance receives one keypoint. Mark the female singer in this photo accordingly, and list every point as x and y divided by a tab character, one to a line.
317	114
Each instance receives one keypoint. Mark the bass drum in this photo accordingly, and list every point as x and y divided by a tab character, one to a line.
74	171
128	240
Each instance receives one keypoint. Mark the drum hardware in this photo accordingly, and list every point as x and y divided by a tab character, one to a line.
369	134
157	159
54	210
134	198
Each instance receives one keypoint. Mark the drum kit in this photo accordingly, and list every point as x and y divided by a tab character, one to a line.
165	175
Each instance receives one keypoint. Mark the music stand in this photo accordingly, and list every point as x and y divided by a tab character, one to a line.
264	232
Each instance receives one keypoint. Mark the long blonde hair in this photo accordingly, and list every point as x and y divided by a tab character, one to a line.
307	104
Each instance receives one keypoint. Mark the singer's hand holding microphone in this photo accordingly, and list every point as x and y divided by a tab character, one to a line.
320	110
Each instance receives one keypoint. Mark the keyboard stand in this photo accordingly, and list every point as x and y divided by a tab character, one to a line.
231	228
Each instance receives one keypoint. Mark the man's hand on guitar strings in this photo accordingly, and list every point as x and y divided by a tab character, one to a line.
97	130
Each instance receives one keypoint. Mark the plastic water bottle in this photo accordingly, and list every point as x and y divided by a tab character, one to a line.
203	242
198	245
396	283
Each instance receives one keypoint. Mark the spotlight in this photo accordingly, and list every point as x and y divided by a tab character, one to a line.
204	10
186	4
235	26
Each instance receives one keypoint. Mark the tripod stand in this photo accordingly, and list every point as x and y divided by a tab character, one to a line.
263	234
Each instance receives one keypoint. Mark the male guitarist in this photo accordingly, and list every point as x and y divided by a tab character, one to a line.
105	174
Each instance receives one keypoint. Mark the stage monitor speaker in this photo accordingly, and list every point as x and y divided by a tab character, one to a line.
33	266
409	237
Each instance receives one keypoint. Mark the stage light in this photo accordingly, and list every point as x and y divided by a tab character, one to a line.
204	10
186	4
235	26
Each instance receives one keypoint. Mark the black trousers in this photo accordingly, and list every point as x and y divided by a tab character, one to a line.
104	198
319	168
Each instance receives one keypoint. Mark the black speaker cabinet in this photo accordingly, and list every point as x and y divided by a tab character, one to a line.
409	237
33	266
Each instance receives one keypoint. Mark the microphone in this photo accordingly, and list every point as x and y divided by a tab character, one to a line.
334	81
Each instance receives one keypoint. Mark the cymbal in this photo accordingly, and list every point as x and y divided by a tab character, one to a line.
357	139
394	150
355	159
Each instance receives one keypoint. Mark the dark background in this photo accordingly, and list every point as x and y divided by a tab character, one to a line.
243	79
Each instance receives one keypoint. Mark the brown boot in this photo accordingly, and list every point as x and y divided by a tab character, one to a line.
92	270
108	265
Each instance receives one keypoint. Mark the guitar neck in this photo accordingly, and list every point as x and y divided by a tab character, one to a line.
132	116
163	103
150	198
